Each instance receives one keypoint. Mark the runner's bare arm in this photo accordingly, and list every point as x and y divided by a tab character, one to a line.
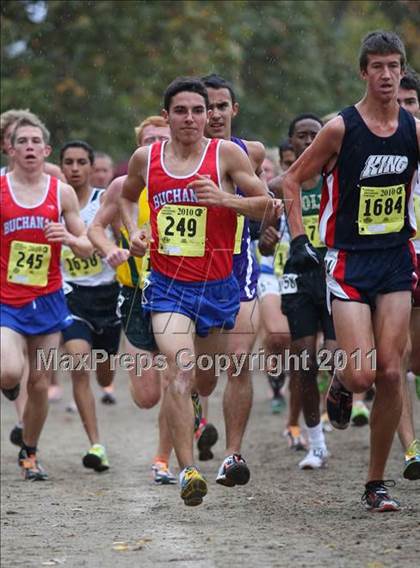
235	169
73	232
320	153
107	214
132	187
256	153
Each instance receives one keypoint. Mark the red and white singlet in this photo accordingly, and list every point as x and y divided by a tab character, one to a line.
192	242
29	264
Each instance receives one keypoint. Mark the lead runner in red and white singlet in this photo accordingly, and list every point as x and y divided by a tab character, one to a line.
191	292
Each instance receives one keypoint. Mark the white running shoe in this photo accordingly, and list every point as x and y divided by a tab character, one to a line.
316	458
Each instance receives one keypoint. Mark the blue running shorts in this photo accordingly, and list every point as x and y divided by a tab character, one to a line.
208	304
46	314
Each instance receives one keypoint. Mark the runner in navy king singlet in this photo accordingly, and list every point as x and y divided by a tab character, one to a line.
191	184
370	156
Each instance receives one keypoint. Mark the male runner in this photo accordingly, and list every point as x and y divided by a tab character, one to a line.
33	308
237	399
408	98
191	184
103	170
91	294
146	387
370	154
304	298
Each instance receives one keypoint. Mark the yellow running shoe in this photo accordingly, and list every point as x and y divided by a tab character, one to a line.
96	458
412	461
193	486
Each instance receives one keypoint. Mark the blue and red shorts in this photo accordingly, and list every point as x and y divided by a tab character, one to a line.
360	276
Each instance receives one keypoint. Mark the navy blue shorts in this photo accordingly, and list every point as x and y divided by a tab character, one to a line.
207	304
359	276
44	315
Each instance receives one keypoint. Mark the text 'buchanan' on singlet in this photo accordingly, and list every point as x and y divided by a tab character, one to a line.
368	198
29	264
191	242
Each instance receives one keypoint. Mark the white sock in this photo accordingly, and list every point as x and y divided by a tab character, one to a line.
316	437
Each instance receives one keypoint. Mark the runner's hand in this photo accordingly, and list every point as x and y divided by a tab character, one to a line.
139	242
302	256
57	233
268	241
206	190
117	256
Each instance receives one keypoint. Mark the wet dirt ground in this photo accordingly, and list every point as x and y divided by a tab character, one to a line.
284	517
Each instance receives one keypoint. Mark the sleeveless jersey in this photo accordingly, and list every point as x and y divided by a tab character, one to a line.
92	271
243	257
192	242
30	265
416	238
129	273
367	199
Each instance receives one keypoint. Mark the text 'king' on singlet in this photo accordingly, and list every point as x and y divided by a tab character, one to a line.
368	198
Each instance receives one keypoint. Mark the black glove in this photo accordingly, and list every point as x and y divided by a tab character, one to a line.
302	256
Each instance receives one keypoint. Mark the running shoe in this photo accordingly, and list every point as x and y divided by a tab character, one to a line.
326	424
294	438
377	499
339	404
323	381
193	486
359	414
16	436
412	461
12	394
206	437
316	458
198	410
108	398
96	458
233	471
30	466
162	475
278	404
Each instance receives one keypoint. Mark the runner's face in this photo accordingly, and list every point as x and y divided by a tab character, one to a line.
383	76
268	169
187	117
286	159
29	150
102	172
409	100
152	134
221	113
76	167
304	134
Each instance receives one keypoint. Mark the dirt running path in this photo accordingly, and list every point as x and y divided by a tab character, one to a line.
283	517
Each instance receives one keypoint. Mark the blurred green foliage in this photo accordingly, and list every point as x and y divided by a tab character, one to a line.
93	69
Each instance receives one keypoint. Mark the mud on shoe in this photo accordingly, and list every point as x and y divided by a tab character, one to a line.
193	486
233	471
96	458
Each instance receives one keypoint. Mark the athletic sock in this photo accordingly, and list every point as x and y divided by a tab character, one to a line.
316	437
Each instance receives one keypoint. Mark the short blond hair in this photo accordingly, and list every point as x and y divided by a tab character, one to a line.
28	121
158	121
13	115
